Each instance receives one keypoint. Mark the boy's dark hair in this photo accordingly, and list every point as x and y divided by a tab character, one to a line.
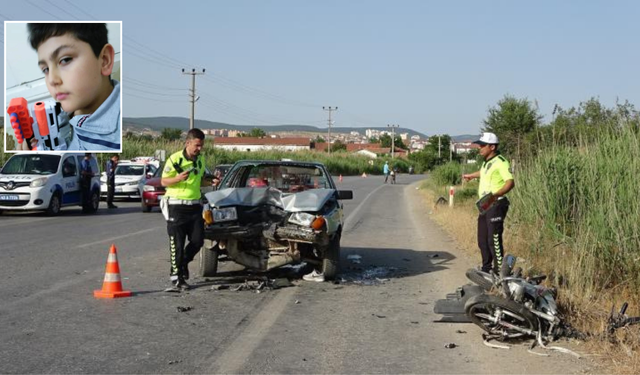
195	133
95	34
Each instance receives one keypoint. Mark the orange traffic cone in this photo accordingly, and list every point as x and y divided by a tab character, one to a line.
340	179
364	175
112	287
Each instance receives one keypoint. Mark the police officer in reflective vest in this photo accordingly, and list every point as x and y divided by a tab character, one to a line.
496	181
182	176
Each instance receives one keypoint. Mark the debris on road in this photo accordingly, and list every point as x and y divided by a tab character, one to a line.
175	362
184	308
450	345
435	255
297	302
379	316
372	275
460	331
355	259
220	287
257	285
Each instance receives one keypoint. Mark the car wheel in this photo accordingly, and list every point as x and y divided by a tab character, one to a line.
331	258
209	259
144	206
54	205
94	202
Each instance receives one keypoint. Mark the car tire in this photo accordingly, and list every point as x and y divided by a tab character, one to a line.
331	258
54	205
209	260
94	204
144	206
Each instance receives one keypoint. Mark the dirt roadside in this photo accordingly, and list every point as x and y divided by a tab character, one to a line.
488	360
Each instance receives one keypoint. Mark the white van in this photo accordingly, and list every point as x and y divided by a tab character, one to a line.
34	181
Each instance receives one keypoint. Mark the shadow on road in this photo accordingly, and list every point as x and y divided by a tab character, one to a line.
358	265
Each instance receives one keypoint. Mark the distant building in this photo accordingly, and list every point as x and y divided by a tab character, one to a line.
256	144
463	147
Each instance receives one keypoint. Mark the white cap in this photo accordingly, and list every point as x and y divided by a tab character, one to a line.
487	139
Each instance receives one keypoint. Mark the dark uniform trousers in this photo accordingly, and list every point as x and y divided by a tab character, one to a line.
185	221
490	228
111	187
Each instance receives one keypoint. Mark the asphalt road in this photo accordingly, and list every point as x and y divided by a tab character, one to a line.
378	320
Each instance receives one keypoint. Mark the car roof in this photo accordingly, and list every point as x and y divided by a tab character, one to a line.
280	162
133	163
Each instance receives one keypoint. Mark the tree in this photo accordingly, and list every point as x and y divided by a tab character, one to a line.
255	132
374	140
440	142
171	134
511	120
385	140
319	139
338	146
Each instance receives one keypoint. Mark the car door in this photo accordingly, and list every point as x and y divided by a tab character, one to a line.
70	181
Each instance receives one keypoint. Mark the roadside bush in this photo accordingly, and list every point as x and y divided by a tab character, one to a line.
447	174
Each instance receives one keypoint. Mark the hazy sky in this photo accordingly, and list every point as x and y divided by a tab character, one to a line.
432	66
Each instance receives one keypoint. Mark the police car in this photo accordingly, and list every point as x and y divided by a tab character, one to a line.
131	175
34	181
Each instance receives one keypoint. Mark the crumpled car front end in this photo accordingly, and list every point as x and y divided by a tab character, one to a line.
264	228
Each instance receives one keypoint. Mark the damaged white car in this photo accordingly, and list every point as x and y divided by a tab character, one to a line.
267	214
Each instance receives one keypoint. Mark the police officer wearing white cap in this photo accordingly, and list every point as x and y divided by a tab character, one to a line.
496	181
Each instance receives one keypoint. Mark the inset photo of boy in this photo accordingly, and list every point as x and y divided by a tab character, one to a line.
62	86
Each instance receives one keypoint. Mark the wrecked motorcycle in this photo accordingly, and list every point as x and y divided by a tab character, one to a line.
522	307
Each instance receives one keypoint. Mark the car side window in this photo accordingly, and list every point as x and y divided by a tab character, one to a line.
69	167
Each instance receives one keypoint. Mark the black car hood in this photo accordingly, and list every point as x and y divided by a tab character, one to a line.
308	200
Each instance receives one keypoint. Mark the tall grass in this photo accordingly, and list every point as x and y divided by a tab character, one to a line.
586	199
337	163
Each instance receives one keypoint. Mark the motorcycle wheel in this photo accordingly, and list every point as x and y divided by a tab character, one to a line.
497	315
483	279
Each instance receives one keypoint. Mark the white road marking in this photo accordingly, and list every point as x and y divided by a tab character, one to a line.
348	222
236	354
112	239
28	220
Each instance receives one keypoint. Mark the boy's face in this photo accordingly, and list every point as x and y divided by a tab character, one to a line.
73	73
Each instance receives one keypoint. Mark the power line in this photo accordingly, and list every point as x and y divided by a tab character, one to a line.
78	8
152	99
41	9
151	85
154	93
157	62
61	9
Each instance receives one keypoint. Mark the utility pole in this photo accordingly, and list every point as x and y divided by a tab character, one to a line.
439	146
330	109
393	138
192	94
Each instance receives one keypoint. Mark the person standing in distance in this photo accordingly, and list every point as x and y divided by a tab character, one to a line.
496	181
385	170
182	176
111	179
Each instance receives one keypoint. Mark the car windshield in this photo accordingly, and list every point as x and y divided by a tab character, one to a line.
130	170
32	164
158	172
287	178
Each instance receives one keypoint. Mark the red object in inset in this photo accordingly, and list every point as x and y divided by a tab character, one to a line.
18	106
41	118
